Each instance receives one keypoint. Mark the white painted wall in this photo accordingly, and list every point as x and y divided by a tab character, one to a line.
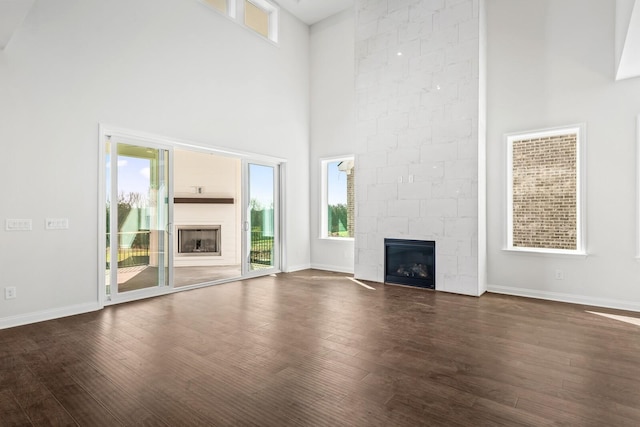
332	124
482	147
217	177
554	68
168	67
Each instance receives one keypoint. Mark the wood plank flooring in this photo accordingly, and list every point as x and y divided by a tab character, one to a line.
313	348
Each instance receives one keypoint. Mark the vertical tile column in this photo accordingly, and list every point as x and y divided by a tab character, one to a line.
417	89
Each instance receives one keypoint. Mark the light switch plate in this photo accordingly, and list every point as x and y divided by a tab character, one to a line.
56	223
18	225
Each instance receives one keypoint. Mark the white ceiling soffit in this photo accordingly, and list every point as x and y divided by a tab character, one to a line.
627	39
12	13
312	11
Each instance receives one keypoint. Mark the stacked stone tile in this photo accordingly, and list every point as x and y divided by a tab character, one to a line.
417	150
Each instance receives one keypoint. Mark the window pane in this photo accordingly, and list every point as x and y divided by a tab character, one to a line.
544	194
261	216
221	5
142	210
108	216
256	18
340	198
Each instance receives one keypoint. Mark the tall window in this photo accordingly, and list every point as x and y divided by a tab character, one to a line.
338	198
545	191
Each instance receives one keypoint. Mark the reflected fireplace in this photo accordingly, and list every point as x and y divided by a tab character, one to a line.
199	240
410	262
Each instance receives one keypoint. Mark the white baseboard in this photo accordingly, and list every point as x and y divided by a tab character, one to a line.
295	268
333	268
41	316
570	298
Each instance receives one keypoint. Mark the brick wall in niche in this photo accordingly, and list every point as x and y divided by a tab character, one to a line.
544	192
351	202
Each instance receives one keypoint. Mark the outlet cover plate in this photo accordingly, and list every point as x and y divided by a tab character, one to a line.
10	292
56	223
18	225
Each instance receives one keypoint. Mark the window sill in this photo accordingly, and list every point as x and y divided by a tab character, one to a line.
338	239
547	252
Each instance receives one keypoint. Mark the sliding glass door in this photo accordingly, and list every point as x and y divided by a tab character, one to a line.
138	240
227	217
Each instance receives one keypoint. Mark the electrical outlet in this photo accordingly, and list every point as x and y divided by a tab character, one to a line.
559	275
10	292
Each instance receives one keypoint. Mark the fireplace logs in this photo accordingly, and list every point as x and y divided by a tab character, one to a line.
410	262
413	270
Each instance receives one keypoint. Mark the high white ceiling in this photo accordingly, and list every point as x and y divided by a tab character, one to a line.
312	11
12	12
627	39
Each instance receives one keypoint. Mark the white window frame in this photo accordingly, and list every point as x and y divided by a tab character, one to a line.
231	8
638	187
324	198
271	10
236	12
580	131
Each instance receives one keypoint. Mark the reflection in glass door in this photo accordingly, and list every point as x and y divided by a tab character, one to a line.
262	212
137	218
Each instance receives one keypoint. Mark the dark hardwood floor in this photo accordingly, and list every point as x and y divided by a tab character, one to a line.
313	348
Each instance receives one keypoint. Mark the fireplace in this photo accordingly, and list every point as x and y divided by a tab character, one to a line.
199	240
410	262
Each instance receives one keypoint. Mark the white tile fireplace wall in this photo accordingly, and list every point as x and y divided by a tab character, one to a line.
419	152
